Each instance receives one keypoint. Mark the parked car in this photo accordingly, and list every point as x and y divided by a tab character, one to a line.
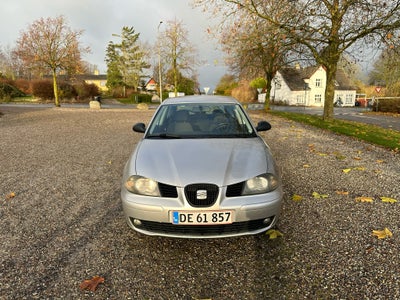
201	170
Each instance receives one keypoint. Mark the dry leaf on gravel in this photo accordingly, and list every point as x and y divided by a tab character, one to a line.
342	192
297	198
273	234
91	284
365	199
388	200
10	196
319	196
382	234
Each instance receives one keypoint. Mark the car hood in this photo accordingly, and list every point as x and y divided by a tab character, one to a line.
184	161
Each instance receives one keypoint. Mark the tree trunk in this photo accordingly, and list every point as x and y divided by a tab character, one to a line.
329	92
269	76
55	88
175	70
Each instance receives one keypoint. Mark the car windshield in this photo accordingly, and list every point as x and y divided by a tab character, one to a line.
195	120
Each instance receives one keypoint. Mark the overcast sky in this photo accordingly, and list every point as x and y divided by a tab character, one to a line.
100	19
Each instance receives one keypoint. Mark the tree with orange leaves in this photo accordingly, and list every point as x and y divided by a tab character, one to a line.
49	45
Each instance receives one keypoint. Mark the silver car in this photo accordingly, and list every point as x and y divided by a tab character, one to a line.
201	171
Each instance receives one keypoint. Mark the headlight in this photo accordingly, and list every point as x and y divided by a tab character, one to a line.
261	184
143	186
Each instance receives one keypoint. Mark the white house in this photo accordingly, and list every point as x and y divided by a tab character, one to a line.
306	87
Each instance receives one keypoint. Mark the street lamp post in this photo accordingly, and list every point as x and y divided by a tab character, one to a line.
159	61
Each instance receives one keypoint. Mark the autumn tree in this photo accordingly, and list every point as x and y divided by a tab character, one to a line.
178	54
50	45
226	84
255	47
126	61
327	28
386	71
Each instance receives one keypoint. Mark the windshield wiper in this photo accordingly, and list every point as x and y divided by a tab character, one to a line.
164	136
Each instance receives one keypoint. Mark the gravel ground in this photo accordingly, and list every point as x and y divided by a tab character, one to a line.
65	222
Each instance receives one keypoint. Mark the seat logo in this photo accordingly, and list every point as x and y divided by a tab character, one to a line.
201	194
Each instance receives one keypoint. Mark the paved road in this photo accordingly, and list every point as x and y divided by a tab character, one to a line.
362	115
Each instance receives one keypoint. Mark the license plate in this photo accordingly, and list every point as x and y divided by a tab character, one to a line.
202	218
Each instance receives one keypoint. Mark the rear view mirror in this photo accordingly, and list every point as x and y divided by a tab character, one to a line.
139	127
263	126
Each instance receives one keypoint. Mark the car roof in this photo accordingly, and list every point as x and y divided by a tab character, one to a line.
200	99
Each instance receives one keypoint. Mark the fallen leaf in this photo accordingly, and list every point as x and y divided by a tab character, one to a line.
342	192
322	154
382	234
306	166
365	199
339	156
357	158
273	234
10	195
297	198
388	200
346	170
380	161
319	196
91	284
359	168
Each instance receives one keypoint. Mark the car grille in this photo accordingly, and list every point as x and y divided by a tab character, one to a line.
202	230
234	190
167	191
202	194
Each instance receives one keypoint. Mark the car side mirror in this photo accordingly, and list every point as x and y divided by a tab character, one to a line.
263	126
139	127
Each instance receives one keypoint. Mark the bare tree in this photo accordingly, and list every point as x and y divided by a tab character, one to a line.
328	28
50	45
177	52
255	48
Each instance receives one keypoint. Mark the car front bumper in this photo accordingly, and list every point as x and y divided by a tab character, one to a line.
152	215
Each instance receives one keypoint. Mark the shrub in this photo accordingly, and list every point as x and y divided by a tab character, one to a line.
24	85
387	105
66	91
140	98
87	91
244	93
7	91
43	89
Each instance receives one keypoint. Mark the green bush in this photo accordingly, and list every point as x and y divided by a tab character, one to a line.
387	105
140	98
67	91
87	91
7	91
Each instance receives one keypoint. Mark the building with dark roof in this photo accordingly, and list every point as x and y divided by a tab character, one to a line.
306	87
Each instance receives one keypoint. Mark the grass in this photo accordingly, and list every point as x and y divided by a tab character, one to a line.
387	138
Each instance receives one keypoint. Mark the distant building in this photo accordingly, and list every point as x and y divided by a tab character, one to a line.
99	80
306	87
151	85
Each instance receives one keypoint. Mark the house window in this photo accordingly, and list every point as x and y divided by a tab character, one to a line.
300	99
349	99
318	82
318	98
